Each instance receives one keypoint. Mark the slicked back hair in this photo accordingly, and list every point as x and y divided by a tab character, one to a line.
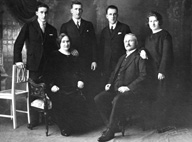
111	7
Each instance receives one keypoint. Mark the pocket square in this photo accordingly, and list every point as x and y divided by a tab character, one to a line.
119	33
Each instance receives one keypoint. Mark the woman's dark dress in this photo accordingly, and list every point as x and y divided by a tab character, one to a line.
69	109
160	60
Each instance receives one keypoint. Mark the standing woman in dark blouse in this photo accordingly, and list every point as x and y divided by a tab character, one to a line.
159	51
64	81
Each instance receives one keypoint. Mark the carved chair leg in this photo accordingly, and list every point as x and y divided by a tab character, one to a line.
46	123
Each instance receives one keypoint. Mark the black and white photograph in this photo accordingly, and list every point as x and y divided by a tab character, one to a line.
95	70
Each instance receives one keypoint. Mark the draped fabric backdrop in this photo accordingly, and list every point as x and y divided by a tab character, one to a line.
176	19
22	10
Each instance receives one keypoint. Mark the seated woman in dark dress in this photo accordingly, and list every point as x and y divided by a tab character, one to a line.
65	86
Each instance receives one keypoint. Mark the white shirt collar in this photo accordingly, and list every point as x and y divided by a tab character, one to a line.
75	21
114	25
129	52
41	23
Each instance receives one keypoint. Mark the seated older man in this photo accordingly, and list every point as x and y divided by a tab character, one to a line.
123	89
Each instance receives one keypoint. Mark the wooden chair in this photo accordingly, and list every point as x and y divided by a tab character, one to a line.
41	103
138	114
19	76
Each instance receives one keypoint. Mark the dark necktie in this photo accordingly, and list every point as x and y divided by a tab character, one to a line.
78	25
111	29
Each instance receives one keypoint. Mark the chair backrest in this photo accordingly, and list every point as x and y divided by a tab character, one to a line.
19	76
37	90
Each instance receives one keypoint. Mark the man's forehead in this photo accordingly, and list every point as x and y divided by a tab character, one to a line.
42	9
130	37
111	10
77	6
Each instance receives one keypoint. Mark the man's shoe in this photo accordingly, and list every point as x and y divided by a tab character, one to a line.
31	125
65	132
117	129
165	129
108	135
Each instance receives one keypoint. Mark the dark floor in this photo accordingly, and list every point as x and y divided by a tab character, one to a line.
132	134
180	116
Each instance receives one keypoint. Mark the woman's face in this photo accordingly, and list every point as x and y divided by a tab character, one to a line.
153	23
65	43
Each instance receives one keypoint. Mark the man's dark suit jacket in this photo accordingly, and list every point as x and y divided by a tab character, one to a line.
38	45
82	39
112	46
132	75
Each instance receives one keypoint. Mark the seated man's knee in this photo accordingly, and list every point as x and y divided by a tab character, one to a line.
102	97
99	97
96	98
118	98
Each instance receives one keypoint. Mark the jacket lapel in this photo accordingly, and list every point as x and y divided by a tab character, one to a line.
74	26
46	31
130	59
82	26
109	31
119	63
37	27
115	30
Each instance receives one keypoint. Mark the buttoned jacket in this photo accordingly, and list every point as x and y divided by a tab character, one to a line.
38	45
132	74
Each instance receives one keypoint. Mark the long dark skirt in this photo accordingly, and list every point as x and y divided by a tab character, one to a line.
70	111
161	98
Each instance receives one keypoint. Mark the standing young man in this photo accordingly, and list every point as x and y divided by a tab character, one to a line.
82	36
83	43
111	41
40	38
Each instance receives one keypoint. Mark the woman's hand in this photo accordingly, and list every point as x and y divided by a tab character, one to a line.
143	54
161	76
107	87
54	88
80	84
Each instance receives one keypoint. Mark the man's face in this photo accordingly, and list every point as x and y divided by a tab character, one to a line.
42	13
129	42
76	11
112	15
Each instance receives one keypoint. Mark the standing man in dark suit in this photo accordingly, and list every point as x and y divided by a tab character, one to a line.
40	38
82	36
83	43
111	43
123	89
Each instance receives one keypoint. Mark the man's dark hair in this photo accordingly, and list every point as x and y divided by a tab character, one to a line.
76	2
111	7
40	4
